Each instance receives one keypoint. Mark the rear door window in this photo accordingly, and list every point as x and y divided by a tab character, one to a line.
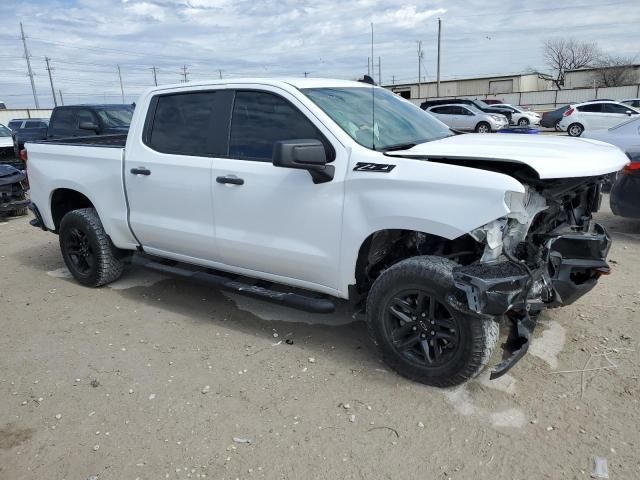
190	123
64	119
14	125
260	119
34	124
591	108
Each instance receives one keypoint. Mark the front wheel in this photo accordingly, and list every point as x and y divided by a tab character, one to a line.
483	127
523	122
418	334
87	250
575	130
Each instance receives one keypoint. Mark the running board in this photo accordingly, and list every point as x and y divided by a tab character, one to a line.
294	300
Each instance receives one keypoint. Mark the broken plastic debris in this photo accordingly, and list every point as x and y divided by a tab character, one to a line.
600	468
245	440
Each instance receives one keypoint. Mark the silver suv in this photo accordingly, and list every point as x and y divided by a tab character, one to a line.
468	117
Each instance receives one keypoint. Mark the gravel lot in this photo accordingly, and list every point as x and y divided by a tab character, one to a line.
155	377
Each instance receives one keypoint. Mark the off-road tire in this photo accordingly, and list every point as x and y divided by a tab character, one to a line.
483	127
523	122
575	130
108	265
477	337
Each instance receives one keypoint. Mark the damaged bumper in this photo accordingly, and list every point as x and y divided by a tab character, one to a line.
572	263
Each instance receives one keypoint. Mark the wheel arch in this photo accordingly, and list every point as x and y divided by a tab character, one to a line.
63	200
384	248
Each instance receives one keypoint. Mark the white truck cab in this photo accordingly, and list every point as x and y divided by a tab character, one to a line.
336	189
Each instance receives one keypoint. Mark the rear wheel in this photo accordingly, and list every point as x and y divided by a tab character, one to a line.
575	130
523	122
483	127
418	334
87	250
556	126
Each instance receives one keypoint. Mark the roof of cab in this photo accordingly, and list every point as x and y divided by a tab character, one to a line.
298	83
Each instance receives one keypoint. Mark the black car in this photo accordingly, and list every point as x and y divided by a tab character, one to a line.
625	193
479	104
552	119
78	121
13	197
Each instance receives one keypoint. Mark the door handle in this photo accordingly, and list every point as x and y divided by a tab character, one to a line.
141	171
230	179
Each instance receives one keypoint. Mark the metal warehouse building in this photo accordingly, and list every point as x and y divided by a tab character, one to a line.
481	86
585	77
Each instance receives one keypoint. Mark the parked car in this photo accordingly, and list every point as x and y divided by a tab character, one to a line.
632	102
520	116
13	192
552	119
20	123
469	118
479	104
625	193
78	121
6	144
594	116
625	136
3	106
436	238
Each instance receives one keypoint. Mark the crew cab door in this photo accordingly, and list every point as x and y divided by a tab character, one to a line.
168	175
274	222
614	114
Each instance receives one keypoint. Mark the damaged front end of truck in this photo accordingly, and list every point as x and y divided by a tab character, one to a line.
547	252
13	192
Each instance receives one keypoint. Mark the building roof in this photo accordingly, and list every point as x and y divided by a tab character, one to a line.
589	69
487	77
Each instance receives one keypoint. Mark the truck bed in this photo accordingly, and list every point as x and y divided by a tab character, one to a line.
115	141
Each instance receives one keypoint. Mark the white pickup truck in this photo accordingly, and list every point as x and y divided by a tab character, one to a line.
310	190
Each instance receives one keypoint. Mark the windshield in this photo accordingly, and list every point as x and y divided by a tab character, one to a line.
114	117
398	123
473	108
4	131
481	104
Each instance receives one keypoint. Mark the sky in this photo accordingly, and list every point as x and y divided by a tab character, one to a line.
86	40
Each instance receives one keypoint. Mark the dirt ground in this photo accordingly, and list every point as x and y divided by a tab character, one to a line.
155	377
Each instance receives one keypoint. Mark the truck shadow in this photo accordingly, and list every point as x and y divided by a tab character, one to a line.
338	333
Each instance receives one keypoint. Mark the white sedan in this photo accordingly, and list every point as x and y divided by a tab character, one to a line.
626	136
596	115
520	116
467	117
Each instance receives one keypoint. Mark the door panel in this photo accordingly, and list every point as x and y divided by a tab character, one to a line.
171	208
277	221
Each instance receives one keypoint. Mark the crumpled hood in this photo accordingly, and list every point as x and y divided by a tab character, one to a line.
549	156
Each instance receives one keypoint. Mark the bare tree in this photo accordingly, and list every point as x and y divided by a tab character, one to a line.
568	54
614	71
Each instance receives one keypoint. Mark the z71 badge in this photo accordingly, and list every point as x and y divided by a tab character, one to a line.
373	167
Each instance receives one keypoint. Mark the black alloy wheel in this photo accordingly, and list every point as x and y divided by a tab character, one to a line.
421	328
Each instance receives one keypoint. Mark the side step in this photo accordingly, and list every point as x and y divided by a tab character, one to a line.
294	300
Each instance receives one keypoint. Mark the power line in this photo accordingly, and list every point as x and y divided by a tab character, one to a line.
26	56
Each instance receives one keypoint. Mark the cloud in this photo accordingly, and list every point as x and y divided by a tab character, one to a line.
86	39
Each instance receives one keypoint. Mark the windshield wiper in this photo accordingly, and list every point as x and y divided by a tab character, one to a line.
399	146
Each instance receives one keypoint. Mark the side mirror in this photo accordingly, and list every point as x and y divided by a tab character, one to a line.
88	126
307	155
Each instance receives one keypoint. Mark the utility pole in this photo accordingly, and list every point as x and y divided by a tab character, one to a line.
438	74
61	99
306	74
419	68
184	74
393	79
368	67
121	85
220	72
53	90
26	56
154	69
379	72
